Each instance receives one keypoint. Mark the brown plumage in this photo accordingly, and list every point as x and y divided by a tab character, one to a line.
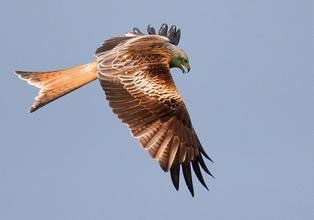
134	72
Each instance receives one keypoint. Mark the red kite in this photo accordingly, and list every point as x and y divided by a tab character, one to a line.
134	72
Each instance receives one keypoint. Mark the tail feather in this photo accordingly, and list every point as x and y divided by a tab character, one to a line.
56	84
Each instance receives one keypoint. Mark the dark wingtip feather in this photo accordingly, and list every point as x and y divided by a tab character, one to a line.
205	154
198	173
137	31
177	37
175	176
163	30
188	177
172	33
203	151
151	30
203	165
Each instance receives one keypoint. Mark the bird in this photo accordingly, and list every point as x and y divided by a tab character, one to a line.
134	71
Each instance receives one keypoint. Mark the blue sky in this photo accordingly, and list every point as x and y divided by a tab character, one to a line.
249	94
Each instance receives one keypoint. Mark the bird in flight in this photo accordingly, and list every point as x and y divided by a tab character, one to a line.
134	72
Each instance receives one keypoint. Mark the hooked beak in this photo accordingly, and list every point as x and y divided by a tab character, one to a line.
185	68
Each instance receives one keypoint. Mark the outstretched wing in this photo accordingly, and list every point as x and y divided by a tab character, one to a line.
140	90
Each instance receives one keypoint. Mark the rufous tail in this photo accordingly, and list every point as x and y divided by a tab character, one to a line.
55	84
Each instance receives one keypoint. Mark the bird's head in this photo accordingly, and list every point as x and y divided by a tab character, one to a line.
180	60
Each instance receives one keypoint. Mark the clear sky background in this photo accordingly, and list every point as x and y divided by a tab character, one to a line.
249	94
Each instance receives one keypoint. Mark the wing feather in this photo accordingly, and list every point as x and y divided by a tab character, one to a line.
175	172
186	168
173	151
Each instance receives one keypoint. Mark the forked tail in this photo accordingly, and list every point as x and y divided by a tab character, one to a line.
58	83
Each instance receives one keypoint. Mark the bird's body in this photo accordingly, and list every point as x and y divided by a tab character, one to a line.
134	72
